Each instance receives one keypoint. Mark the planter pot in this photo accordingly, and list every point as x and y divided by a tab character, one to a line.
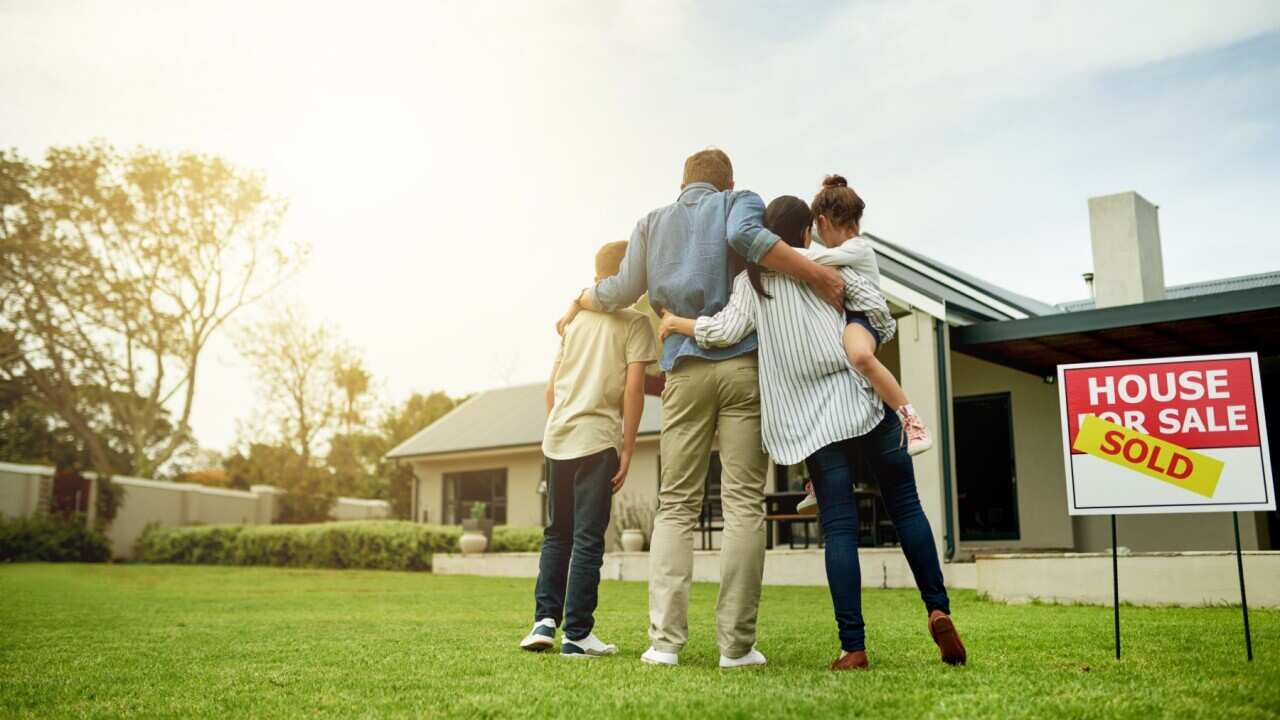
484	527
472	543
632	540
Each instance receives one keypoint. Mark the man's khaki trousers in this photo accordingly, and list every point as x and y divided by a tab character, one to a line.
702	398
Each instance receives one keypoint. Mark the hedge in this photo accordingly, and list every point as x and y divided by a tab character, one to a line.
376	544
44	538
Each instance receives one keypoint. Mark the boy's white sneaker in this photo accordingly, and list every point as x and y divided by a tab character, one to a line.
809	505
914	433
755	657
657	657
587	647
541	637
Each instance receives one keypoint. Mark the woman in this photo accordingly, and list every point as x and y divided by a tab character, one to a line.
815	408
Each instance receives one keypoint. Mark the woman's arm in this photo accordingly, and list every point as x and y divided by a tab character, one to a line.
736	321
674	324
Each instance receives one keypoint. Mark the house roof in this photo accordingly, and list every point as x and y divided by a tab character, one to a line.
1234	321
501	418
967	298
1208	287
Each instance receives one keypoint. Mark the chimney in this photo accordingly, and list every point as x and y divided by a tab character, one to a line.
1127	266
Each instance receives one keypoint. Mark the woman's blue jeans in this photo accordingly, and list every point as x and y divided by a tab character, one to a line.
833	469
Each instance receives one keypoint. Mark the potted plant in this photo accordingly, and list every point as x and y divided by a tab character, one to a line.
635	520
477	530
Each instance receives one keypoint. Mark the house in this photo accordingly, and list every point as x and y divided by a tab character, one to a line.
978	362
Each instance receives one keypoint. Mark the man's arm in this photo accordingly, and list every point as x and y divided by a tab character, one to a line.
632	409
757	244
625	288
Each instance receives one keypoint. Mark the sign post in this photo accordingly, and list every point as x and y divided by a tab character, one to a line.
1166	435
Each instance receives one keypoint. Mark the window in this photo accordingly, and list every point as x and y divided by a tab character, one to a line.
986	480
464	489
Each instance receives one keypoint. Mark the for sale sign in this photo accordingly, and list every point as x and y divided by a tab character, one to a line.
1166	435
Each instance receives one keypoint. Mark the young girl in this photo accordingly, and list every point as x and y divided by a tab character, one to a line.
837	212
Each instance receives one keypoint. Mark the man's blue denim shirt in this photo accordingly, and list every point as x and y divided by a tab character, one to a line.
685	255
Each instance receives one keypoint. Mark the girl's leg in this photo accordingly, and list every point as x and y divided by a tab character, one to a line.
833	482
860	346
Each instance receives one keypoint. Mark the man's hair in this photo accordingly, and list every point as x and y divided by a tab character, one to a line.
609	258
709	166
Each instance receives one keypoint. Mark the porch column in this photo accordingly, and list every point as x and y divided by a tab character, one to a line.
918	368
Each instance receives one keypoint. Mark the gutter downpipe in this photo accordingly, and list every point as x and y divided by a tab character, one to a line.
944	433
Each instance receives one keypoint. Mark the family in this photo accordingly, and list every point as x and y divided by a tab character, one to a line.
771	317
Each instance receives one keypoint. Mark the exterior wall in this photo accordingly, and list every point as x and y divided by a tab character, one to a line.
917	370
1166	533
1189	579
524	473
150	501
20	489
1040	482
346	508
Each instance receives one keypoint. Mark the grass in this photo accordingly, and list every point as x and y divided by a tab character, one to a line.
167	641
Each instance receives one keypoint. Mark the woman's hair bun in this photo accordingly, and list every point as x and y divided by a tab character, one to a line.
832	181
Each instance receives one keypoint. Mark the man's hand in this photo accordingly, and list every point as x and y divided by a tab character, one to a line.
828	284
574	308
620	477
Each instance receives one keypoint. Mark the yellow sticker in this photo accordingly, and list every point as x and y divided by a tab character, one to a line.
1153	457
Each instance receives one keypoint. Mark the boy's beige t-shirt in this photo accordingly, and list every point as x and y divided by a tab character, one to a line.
593	357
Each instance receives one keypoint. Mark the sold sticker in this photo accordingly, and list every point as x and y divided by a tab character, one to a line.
1150	456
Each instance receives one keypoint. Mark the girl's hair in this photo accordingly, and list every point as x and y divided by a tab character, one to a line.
838	202
787	217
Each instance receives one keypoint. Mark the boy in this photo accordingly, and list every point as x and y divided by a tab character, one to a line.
594	400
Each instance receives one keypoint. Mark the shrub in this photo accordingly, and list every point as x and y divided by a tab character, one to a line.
51	539
516	539
378	544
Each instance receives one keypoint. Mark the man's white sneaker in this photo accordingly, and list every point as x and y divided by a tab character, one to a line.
809	505
914	432
587	647
755	657
541	637
657	657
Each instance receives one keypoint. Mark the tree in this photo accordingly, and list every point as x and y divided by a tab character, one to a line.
353	381
294	361
309	491
116	271
399	424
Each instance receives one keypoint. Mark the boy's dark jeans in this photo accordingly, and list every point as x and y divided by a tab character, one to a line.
881	455
579	499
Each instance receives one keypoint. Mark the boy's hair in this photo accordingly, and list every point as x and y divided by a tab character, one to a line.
787	216
709	166
609	258
838	202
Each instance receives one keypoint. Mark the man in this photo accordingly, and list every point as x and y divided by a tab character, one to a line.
685	255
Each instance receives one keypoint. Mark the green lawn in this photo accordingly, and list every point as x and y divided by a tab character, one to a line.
144	641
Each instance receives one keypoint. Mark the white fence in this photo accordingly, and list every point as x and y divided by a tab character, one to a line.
26	489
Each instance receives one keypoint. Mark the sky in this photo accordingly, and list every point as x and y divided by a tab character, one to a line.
454	166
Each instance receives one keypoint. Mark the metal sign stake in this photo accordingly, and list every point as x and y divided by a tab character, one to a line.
1115	582
1244	601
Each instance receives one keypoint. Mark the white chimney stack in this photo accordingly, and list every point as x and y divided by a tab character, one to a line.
1127	265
